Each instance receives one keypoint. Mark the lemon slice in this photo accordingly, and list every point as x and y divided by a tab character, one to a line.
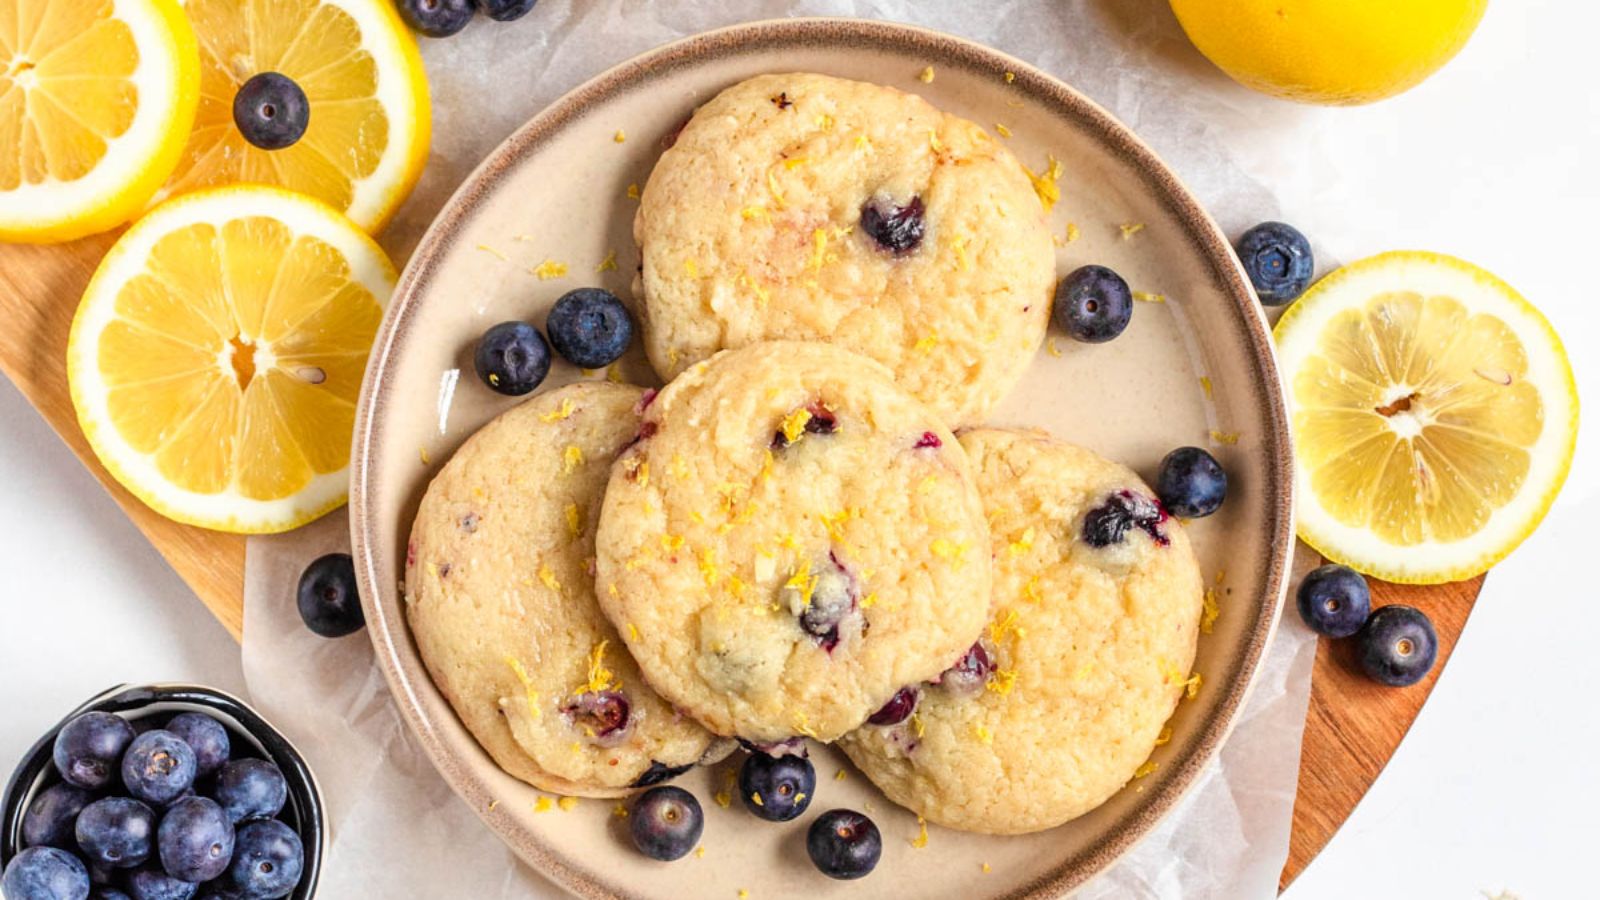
367	137
217	355
95	99
1434	416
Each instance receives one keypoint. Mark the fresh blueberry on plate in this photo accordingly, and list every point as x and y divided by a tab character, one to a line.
1191	483
589	327
45	873
666	823
117	832
1334	600
88	747
148	882
206	737
195	840
271	111
435	18
158	767
50	817
267	860
1277	257
1093	304
329	601
505	10
777	788
512	358
895	227
1397	646
844	844
250	789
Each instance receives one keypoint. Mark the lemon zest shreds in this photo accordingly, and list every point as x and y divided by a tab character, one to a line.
1225	437
1052	348
870	600
543	805
1045	182
559	413
1030	591
1209	611
744	894
1149	766
1205	386
723	797
840	775
1129	229
755	797
1003	130
986	869
1147	297
1003	625
493	252
934	143
700	852
1022	544
620	810
917	725
1072	232
789	165
803	581
1010	77
1165	736
926	75
825	122
548	577
708	567
422	454
574	519
530	695
609	264
571	459
620	136
567	804
945	549
963	262
794	424
925	343
983	734
671	542
921	840
774	190
802	725
1191	686
600	677
754	212
1002	683
494	805
549	269
863	142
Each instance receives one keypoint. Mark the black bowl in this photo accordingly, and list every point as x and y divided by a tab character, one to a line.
251	735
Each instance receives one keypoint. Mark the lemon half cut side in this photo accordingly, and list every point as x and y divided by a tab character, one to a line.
1434	415
217	356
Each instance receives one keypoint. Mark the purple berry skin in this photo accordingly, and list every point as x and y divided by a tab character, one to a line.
250	789
158	767
45	873
589	327
844	844
117	832
666	823
504	10
88	747
105	892
1191	483
1397	646
896	228
436	18
1093	305
660	773
777	788
328	597
1334	600
150	883
970	673
50	817
267	861
898	709
1278	259
206	737
195	840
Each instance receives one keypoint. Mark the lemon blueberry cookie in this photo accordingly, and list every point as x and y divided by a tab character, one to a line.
500	597
1097	608
805	207
792	539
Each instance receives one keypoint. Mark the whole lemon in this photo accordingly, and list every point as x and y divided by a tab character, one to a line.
1342	52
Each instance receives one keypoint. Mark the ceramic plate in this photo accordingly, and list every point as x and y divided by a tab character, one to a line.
1195	369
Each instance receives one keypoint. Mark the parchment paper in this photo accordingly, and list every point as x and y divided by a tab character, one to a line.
398	831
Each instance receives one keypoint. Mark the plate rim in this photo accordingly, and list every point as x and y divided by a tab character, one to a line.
1199	229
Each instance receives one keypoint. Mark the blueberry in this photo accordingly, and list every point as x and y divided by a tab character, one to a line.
158	767
88	747
267	860
1109	522
195	840
589	327
505	10
116	831
512	358
1397	645
45	873
329	601
660	773
150	883
436	18
104	892
1093	304
969	674
271	111
1334	600
777	788
50	817
897	229
1191	483
666	823
1277	257
603	717
832	597
206	737
844	844
250	789
899	707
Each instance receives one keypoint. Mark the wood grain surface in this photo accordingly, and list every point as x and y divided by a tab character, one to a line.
1352	726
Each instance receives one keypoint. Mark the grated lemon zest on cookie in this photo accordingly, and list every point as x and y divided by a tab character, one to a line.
671	542
600	677
794	424
983	734
559	413
1030	590
633	633
946	549
708	567
754	212
926	343
1022	544
1002	683
548	577
530	695
571	458
574	520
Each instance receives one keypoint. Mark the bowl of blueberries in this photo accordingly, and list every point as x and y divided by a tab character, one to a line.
161	792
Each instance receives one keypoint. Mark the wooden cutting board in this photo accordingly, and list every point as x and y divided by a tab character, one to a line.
1352	727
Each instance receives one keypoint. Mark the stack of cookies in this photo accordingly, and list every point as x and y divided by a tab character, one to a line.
807	533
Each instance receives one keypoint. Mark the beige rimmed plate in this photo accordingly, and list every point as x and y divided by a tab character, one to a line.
1194	369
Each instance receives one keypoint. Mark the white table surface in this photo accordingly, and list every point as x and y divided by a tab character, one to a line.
1495	160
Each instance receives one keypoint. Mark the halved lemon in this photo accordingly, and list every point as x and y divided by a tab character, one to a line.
1434	416
366	141
95	99
217	355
